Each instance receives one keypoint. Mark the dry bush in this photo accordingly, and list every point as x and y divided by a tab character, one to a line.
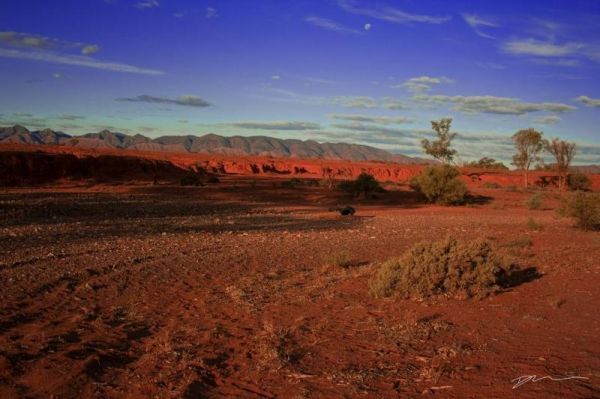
584	207
440	185
491	185
450	267
535	201
339	259
533	225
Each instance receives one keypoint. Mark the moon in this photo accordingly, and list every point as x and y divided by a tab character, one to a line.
367	27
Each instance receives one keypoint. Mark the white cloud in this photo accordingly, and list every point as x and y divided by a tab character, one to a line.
392	103
382	120
276	125
538	48
590	102
276	77
547	120
83	61
491	104
148	4
477	22
390	14
328	24
423	83
353	101
90	49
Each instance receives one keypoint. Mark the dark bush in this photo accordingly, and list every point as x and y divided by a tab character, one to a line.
578	181
364	185
213	179
191	179
440	185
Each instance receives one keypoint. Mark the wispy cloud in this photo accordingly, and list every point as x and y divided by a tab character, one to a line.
330	25
590	102
90	49
29	40
393	103
390	14
211	13
382	120
276	125
70	117
148	4
423	83
547	120
353	101
491	104
539	48
477	22
67	59
187	100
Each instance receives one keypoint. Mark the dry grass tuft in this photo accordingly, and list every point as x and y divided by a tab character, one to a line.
339	259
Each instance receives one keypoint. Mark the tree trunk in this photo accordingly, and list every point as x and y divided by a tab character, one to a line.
526	178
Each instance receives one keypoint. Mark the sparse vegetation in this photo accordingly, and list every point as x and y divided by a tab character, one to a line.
191	179
535	201
364	185
492	185
440	185
520	243
447	267
440	148
486	163
584	207
339	259
529	144
563	152
533	225
578	181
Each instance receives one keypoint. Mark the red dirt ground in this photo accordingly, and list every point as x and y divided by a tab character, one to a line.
121	290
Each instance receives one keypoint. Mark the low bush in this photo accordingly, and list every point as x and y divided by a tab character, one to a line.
191	179
584	207
440	185
448	267
364	185
339	259
535	201
213	179
578	181
533	225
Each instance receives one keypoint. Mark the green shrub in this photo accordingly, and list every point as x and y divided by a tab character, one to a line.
339	259
365	184
449	267
191	179
584	207
535	201
578	181
440	185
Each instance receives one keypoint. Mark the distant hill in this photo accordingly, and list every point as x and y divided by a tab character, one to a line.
208	144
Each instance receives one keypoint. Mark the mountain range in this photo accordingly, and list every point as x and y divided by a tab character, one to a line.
207	144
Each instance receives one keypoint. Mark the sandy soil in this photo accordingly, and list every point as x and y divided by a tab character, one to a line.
140	291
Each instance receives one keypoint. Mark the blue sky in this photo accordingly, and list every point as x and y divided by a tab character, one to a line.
369	72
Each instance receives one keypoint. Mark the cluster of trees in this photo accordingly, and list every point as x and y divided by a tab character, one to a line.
529	144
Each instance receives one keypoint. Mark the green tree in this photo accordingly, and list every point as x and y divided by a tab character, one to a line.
486	163
529	143
440	148
563	152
